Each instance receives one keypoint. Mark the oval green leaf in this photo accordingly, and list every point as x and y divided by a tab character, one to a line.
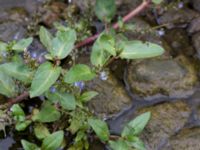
138	49
44	78
100	128
66	100
87	96
105	10
22	44
53	141
29	146
8	87
136	126
45	38
118	145
18	71
79	72
41	131
99	56
63	43
48	113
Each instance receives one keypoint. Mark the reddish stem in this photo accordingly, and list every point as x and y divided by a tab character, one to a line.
126	18
18	99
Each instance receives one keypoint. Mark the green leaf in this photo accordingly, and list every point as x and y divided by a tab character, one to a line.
45	77
79	72
157	1
63	43
22	44
138	49
21	126
98	55
118	145
17	110
18	71
3	46
100	128
8	86
105	10
136	126
86	96
48	113
53	141
45	38
41	131
136	143
29	146
107	43
66	100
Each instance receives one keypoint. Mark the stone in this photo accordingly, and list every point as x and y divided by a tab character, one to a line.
196	4
112	98
194	26
150	78
187	139
177	17
11	31
196	43
179	42
166	120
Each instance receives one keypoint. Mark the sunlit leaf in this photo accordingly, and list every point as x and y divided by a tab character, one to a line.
48	113
86	96
18	71
44	78
98	55
118	145
100	128
45	38
136	126
79	72
29	146
22	44
63	43
157	1
53	141
8	87
105	9
138	49
21	126
41	131
3	46
66	100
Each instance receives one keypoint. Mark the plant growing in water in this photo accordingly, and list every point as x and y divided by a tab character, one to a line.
21	78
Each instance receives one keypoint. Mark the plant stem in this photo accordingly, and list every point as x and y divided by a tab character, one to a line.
18	99
126	18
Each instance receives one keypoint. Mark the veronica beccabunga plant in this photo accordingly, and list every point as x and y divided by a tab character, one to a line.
58	85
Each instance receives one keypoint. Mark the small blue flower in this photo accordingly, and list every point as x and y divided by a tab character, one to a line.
161	32
80	85
52	89
34	55
103	75
180	5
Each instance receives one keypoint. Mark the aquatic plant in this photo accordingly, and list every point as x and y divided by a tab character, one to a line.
64	97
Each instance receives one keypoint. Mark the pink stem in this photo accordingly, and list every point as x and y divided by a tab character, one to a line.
126	18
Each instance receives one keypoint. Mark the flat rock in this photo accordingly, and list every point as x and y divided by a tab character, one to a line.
166	120
112	98
187	139
152	78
